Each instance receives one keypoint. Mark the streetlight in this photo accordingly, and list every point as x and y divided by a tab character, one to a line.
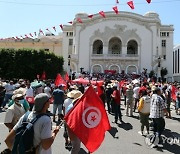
159	68
159	61
69	67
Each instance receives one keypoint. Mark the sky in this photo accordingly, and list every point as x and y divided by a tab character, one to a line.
20	17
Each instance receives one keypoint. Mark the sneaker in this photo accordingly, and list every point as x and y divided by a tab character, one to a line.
66	145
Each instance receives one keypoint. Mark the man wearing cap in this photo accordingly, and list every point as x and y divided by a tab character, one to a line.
15	111
43	134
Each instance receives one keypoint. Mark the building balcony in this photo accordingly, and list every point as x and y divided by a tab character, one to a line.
115	56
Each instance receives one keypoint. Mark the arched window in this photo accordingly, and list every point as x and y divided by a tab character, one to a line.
132	47
132	69
98	47
115	46
97	68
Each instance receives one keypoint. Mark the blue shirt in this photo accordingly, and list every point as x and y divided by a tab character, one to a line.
58	96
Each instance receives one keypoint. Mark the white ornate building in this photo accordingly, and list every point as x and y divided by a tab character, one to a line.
124	41
176	63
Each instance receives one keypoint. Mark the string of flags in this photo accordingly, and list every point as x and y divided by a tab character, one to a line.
79	20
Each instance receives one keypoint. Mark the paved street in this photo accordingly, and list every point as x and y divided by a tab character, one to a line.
122	139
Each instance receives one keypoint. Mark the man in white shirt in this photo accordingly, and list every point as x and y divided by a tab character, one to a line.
136	95
9	87
29	95
43	134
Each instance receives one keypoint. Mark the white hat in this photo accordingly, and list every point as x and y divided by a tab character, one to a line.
18	93
129	86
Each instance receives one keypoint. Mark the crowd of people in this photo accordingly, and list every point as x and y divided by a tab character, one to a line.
151	99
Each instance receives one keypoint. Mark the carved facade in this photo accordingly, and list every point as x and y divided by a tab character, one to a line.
126	41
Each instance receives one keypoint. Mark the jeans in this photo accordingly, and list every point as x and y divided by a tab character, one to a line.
57	106
117	111
76	144
159	125
6	99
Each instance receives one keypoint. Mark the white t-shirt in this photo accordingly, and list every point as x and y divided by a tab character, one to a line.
47	90
9	88
14	113
67	102
136	92
42	130
29	92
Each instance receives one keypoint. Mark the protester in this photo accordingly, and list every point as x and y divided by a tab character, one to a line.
136	95
157	111
75	141
47	90
29	95
21	99
178	101
116	100
9	92
108	93
58	96
2	93
130	99
144	111
15	111
43	134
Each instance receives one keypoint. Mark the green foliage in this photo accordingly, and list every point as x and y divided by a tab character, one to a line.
27	63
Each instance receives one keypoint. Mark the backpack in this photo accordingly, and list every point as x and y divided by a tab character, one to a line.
23	143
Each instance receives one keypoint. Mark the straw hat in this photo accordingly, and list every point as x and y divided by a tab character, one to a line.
77	95
129	86
19	93
74	94
153	88
74	87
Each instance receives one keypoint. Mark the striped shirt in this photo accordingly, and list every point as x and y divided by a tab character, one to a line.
157	106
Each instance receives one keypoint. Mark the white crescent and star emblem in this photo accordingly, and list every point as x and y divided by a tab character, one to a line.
91	117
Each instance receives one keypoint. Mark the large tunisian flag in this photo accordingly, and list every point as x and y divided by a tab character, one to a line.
88	120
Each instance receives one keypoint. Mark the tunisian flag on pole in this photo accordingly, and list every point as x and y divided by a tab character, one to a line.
59	80
66	77
88	120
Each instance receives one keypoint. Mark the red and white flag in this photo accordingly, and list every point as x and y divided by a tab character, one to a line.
88	120
70	22
102	14
131	4
90	16
116	9
59	80
66	77
79	20
54	28
61	26
40	31
149	1
30	34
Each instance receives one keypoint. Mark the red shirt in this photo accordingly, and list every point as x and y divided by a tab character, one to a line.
116	96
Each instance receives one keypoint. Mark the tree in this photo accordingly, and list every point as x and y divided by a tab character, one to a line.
27	63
